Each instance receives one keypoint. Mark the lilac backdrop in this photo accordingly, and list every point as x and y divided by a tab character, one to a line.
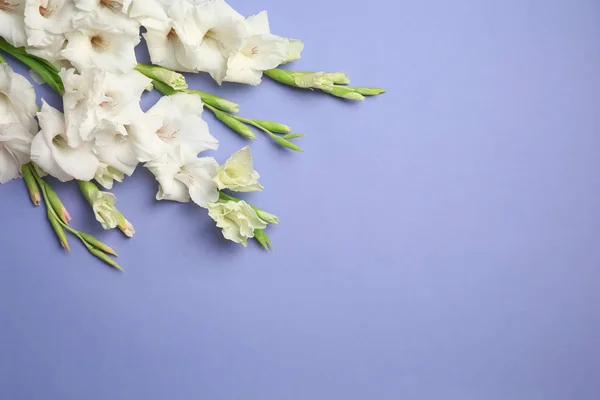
440	241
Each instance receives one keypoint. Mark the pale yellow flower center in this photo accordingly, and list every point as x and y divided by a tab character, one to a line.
114	5
60	142
100	43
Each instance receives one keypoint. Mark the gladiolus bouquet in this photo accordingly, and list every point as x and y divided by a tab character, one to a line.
84	50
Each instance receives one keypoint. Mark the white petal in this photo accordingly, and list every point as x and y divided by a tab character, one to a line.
182	124
12	23
54	156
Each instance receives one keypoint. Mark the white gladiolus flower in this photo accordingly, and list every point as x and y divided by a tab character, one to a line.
237	173
46	22
151	14
261	51
199	37
51	151
17	123
106	41
17	99
103	205
12	23
185	176
107	175
116	149
97	100
237	220
181	124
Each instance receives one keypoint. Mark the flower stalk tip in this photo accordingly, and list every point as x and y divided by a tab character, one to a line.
60	232
32	186
57	205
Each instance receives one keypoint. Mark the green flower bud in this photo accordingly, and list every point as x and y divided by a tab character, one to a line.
271	126
286	143
60	232
57	205
32	186
267	217
97	244
262	238
216	101
365	91
163	88
171	78
294	136
313	80
345	93
103	257
281	75
234	124
339	78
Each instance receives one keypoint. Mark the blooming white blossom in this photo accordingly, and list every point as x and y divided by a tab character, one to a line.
181	124
12	22
237	173
51	152
185	176
17	123
103	205
95	100
151	14
262	50
46	22
238	220
199	37
103	40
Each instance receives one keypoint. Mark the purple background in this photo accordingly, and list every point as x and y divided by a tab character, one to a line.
437	242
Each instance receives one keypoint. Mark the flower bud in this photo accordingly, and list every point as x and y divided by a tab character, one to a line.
313	80
365	91
267	217
274	127
103	257
345	92
97	244
126	227
171	78
281	75
339	78
60	232
285	143
216	101
32	186
234	124
262	238
57	205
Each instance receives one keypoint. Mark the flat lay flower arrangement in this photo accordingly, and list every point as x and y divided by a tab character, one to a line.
84	50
